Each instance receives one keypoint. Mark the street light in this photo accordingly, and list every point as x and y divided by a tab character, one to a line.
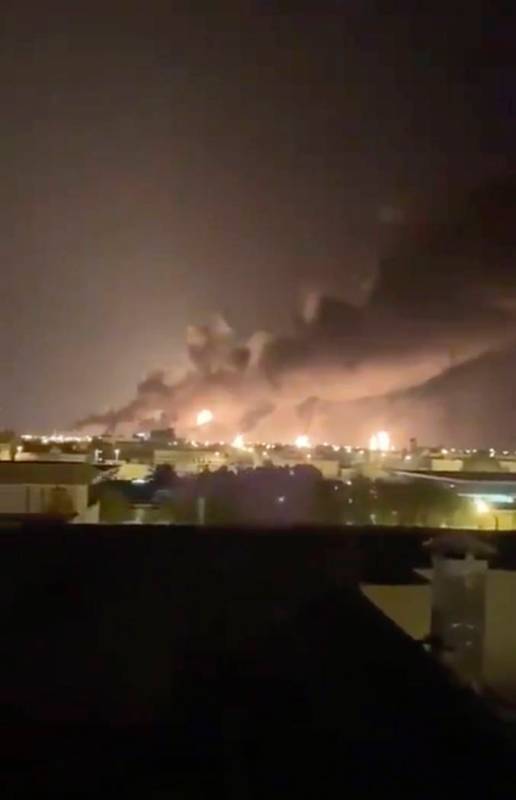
482	507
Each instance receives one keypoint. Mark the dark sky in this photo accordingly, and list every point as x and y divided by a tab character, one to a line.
159	166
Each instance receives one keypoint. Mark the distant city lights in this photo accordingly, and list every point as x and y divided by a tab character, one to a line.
56	438
239	450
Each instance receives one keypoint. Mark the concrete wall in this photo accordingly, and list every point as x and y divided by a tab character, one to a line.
446	464
34	499
72	458
499	518
508	466
409	607
90	516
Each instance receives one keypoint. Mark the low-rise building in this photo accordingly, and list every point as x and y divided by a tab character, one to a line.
36	488
507	465
446	464
53	455
328	467
5	451
191	460
491	496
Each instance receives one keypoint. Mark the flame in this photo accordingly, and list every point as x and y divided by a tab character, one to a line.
380	441
302	441
238	442
204	417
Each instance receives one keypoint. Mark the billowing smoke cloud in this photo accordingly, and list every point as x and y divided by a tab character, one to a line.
151	394
445	296
251	418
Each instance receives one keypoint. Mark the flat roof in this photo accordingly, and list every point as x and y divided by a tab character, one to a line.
71	473
467	475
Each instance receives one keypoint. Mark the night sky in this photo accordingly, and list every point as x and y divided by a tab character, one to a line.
160	166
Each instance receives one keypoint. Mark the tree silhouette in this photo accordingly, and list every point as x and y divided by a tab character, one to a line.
114	506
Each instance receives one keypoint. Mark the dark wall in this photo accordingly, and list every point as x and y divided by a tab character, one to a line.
132	656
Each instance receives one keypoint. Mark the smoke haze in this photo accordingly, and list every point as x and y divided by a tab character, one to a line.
443	298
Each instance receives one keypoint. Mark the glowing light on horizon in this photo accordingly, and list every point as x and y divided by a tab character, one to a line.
481	506
238	442
204	417
302	441
55	437
380	441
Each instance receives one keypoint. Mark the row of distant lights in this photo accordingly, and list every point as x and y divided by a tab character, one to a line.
302	442
56	438
492	451
379	442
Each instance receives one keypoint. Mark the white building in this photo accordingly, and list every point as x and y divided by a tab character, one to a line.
48	488
5	451
53	455
191	460
328	467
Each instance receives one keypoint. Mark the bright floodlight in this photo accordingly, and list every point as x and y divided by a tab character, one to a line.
238	442
481	506
204	417
380	441
302	441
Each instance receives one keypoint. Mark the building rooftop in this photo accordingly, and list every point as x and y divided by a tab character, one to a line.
48	472
469	475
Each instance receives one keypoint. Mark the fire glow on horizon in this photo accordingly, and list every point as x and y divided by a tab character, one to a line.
380	441
238	442
204	417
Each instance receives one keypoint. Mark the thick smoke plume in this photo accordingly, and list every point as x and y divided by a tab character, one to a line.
445	296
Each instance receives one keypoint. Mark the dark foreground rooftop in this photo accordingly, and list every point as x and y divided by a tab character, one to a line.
170	662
